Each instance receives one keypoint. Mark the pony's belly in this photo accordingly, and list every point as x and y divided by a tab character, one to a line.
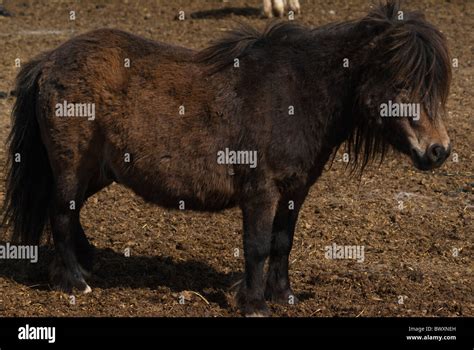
204	192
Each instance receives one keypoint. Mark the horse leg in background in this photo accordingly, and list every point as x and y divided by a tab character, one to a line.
278	287
258	214
294	5
279	7
273	7
68	235
267	8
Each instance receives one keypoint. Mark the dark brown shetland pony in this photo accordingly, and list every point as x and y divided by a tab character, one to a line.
160	123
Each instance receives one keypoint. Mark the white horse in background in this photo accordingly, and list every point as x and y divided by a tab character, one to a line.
279	7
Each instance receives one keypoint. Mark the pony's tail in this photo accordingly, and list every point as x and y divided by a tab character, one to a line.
29	178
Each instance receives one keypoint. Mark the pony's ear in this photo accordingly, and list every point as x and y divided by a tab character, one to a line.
383	17
374	26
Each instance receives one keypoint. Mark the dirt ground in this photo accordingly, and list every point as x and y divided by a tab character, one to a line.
418	260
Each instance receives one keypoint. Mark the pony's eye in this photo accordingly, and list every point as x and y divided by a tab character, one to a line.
404	94
401	89
399	86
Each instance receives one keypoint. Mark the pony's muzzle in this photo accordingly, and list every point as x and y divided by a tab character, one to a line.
437	154
433	157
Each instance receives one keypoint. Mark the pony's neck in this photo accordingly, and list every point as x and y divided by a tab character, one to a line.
333	69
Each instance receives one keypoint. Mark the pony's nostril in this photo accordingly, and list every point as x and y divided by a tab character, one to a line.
437	150
437	153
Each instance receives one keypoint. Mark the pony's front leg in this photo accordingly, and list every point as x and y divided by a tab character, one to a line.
258	214
278	287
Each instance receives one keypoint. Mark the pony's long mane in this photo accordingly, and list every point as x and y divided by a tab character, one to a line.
408	53
245	39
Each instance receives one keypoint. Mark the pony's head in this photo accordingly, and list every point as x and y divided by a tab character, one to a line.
403	88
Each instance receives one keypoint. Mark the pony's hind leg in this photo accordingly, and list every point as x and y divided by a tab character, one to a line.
66	272
85	250
75	255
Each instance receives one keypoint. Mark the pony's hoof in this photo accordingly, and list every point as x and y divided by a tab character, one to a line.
87	290
257	309
257	314
65	280
251	307
283	297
